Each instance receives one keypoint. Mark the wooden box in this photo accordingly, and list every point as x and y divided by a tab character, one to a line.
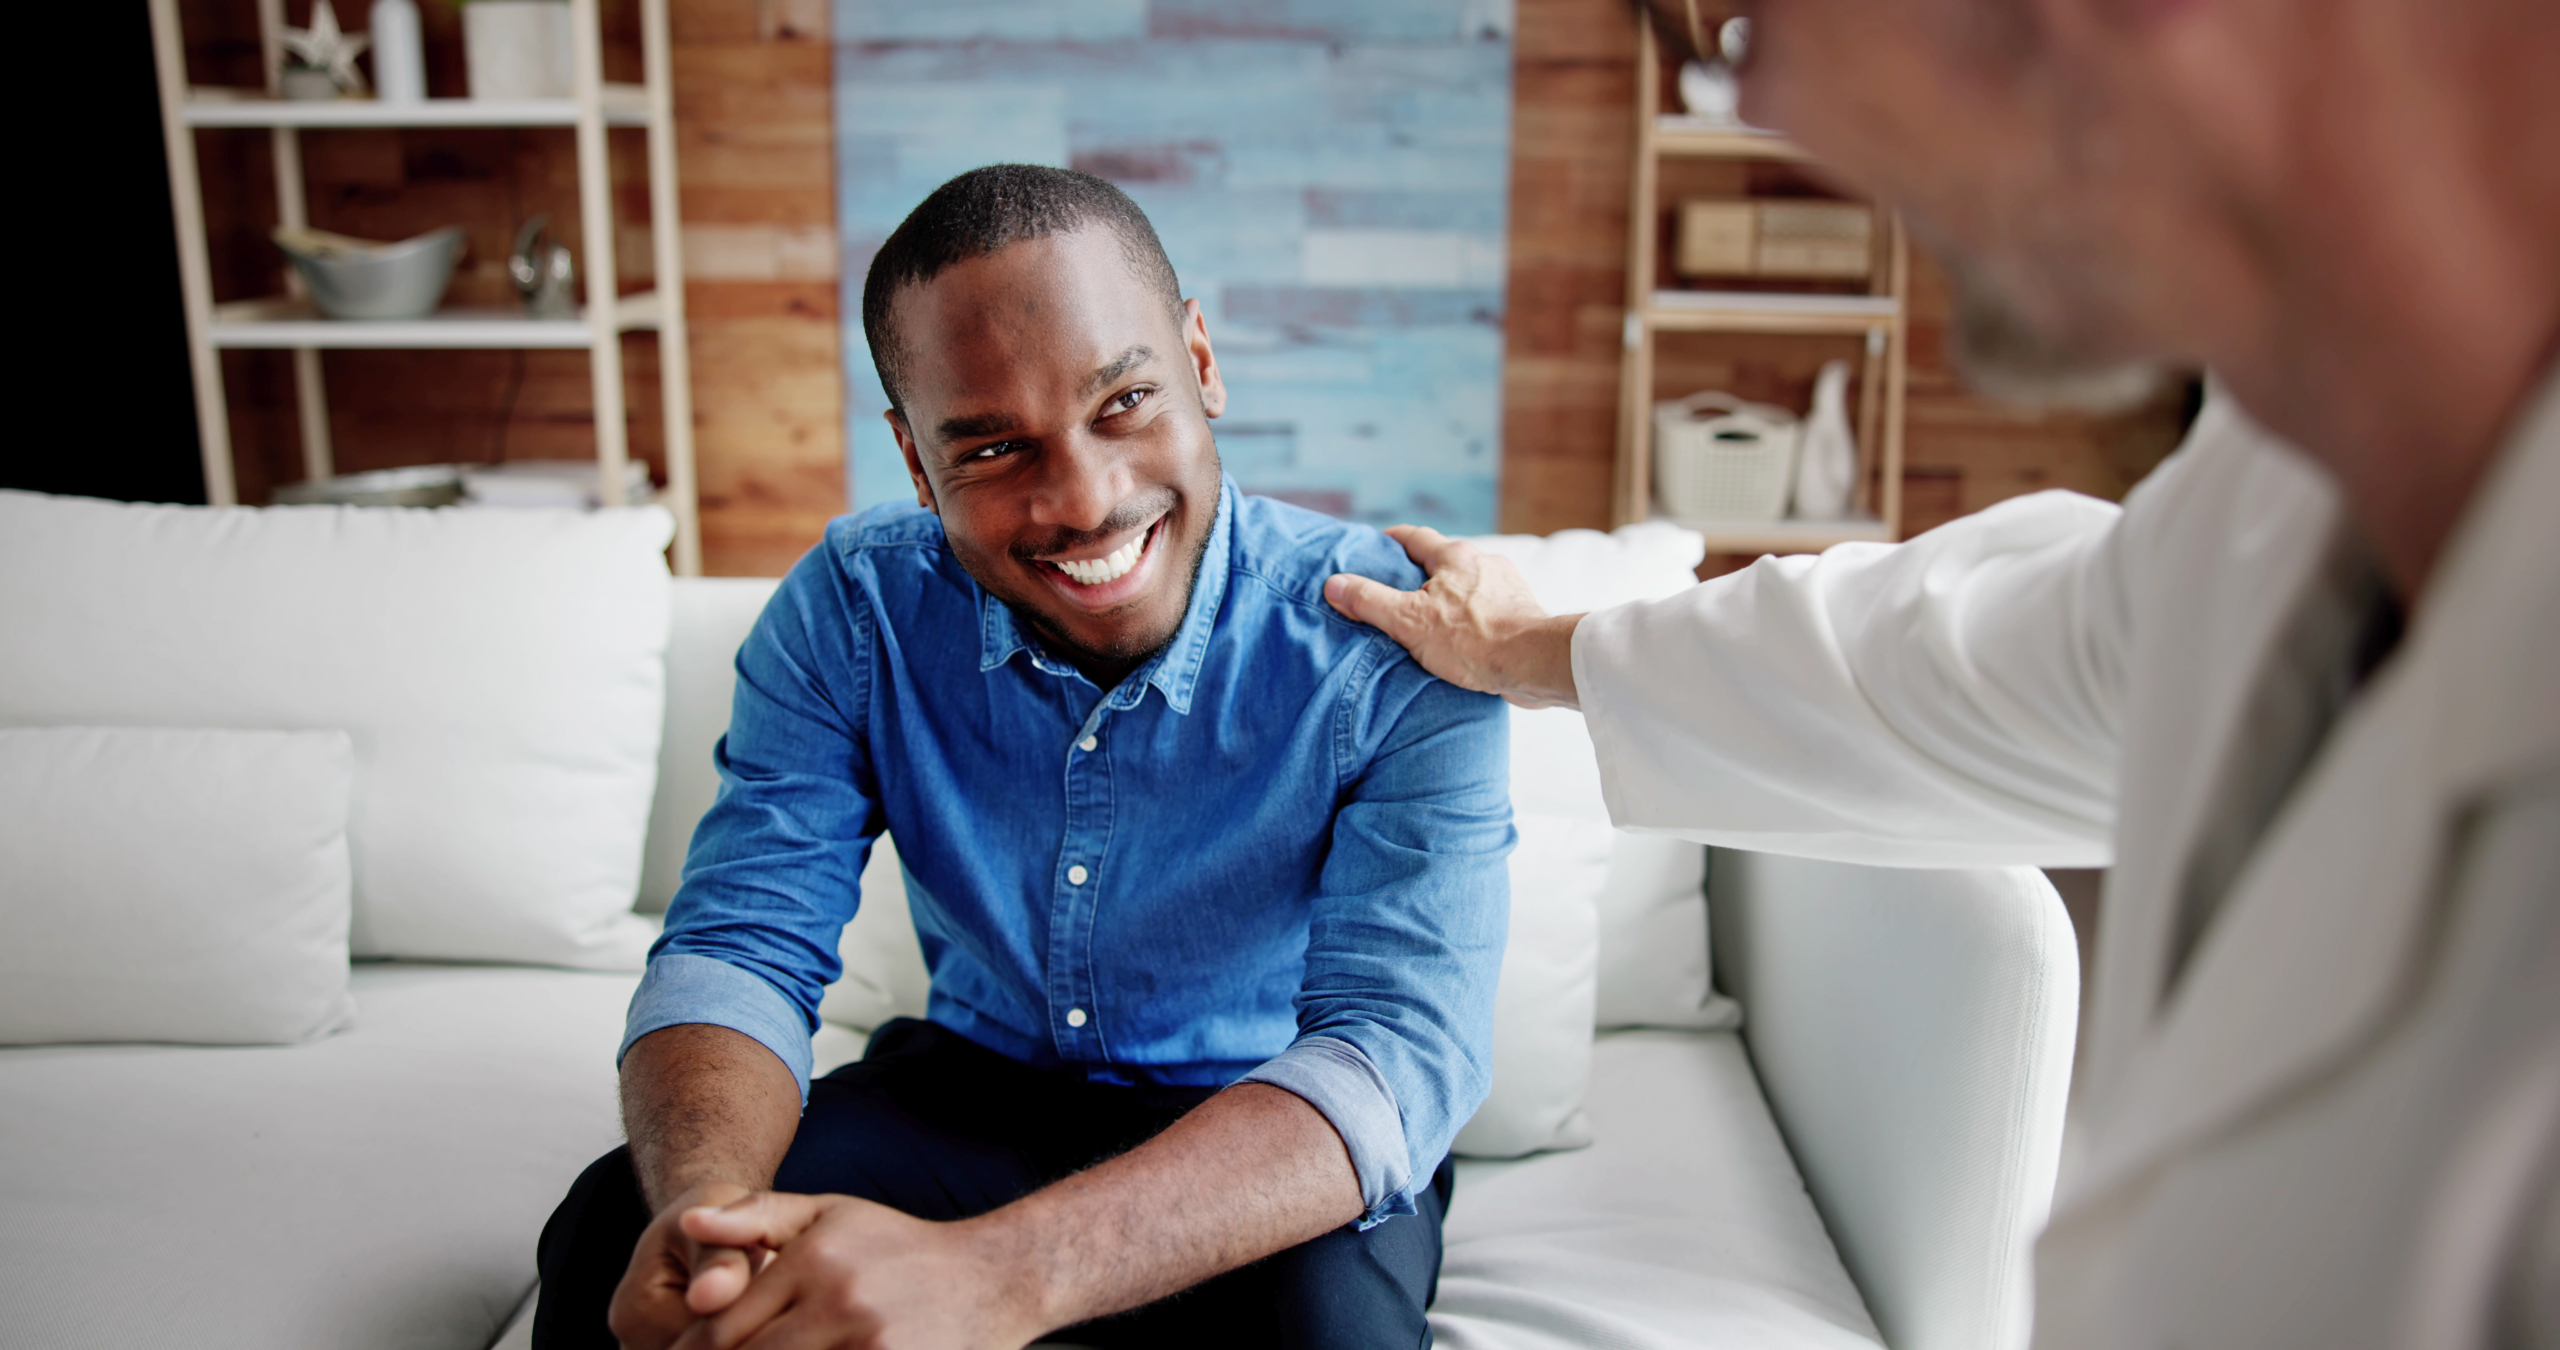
1803	240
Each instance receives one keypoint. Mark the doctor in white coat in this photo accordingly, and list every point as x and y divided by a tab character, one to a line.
2301	693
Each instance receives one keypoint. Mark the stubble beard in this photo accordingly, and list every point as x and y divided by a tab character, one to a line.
2008	358
1140	648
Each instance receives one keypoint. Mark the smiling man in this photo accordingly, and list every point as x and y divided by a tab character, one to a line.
1210	880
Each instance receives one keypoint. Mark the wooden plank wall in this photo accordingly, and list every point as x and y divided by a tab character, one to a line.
755	165
753	99
1573	146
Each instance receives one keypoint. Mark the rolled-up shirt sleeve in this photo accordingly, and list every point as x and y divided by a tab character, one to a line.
774	871
1395	1015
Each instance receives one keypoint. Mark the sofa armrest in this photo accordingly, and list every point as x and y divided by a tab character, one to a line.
1913	1031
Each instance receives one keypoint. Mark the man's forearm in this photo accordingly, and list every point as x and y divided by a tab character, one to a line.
1252	1171
704	1104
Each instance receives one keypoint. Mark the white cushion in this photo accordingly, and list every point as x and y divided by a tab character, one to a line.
173	885
1576	571
381	1188
1542	1010
884	974
1683	1227
708	619
500	673
1654	960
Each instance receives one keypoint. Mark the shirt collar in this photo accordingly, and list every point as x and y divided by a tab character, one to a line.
1175	671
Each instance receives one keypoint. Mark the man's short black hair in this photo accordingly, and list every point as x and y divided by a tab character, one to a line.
984	210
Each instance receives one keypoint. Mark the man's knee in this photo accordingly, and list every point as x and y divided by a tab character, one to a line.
1373	1287
584	1250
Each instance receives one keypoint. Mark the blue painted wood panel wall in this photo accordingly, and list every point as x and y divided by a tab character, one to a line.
1329	177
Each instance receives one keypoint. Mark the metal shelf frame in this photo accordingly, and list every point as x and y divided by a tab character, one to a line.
287	322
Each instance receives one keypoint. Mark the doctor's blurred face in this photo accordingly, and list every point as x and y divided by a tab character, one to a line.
2016	161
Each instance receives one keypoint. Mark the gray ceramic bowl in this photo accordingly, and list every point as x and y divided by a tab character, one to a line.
424	485
353	280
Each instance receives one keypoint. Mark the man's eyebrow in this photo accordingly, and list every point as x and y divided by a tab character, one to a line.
976	424
1118	366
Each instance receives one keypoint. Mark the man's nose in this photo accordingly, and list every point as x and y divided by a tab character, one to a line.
1085	483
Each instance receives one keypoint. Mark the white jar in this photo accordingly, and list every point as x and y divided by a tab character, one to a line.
399	52
518	48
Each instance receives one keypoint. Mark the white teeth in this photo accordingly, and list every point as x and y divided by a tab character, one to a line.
1110	567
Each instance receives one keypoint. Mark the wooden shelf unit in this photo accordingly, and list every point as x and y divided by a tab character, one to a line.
288	322
1881	317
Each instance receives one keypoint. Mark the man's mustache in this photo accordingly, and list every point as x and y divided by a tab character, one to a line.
1125	517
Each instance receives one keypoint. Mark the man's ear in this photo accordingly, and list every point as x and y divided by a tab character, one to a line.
1204	362
915	467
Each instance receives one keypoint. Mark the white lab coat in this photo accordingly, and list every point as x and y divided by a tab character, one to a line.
2339	1125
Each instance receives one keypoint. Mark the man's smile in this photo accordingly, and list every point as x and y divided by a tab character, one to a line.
1094	578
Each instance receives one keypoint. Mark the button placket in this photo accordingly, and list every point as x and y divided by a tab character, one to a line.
1072	984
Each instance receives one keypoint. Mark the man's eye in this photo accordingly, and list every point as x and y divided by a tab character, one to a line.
996	451
1128	399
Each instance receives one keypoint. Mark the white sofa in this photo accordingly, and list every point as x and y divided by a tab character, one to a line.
1864	1163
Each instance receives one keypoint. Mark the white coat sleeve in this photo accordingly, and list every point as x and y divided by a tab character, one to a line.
1951	701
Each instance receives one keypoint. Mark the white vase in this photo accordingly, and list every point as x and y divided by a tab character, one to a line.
399	52
1827	461
518	48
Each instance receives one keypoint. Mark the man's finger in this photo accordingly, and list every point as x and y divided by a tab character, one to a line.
765	1219
1369	601
720	1274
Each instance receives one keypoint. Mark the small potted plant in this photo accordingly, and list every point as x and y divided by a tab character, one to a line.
518	48
320	61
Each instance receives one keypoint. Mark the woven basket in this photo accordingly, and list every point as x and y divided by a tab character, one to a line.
1716	457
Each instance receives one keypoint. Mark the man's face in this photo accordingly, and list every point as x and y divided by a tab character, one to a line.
1057	419
2016	160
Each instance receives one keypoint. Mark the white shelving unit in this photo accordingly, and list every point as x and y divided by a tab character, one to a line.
1878	316
287	321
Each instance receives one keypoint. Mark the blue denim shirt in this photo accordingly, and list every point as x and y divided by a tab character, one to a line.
1274	853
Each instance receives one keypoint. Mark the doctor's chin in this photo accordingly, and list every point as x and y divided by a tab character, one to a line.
1496	674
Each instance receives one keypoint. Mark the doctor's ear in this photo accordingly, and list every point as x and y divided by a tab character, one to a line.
915	466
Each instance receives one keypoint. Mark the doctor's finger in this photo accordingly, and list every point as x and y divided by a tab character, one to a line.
1430	548
1374	603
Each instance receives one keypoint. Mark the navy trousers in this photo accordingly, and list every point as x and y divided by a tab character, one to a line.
933	1124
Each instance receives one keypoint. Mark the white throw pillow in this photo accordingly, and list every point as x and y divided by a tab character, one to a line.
884	974
1655	967
1542	1012
173	885
500	673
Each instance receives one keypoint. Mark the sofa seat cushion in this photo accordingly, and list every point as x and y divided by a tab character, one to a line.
1685	1225
382	1188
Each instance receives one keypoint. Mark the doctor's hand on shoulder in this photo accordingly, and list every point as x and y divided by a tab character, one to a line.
1473	623
836	1271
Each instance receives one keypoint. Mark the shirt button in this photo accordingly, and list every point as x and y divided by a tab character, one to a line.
1089	744
1075	877
1075	1017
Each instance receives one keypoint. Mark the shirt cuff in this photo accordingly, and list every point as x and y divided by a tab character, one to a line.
682	989
1342	1085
